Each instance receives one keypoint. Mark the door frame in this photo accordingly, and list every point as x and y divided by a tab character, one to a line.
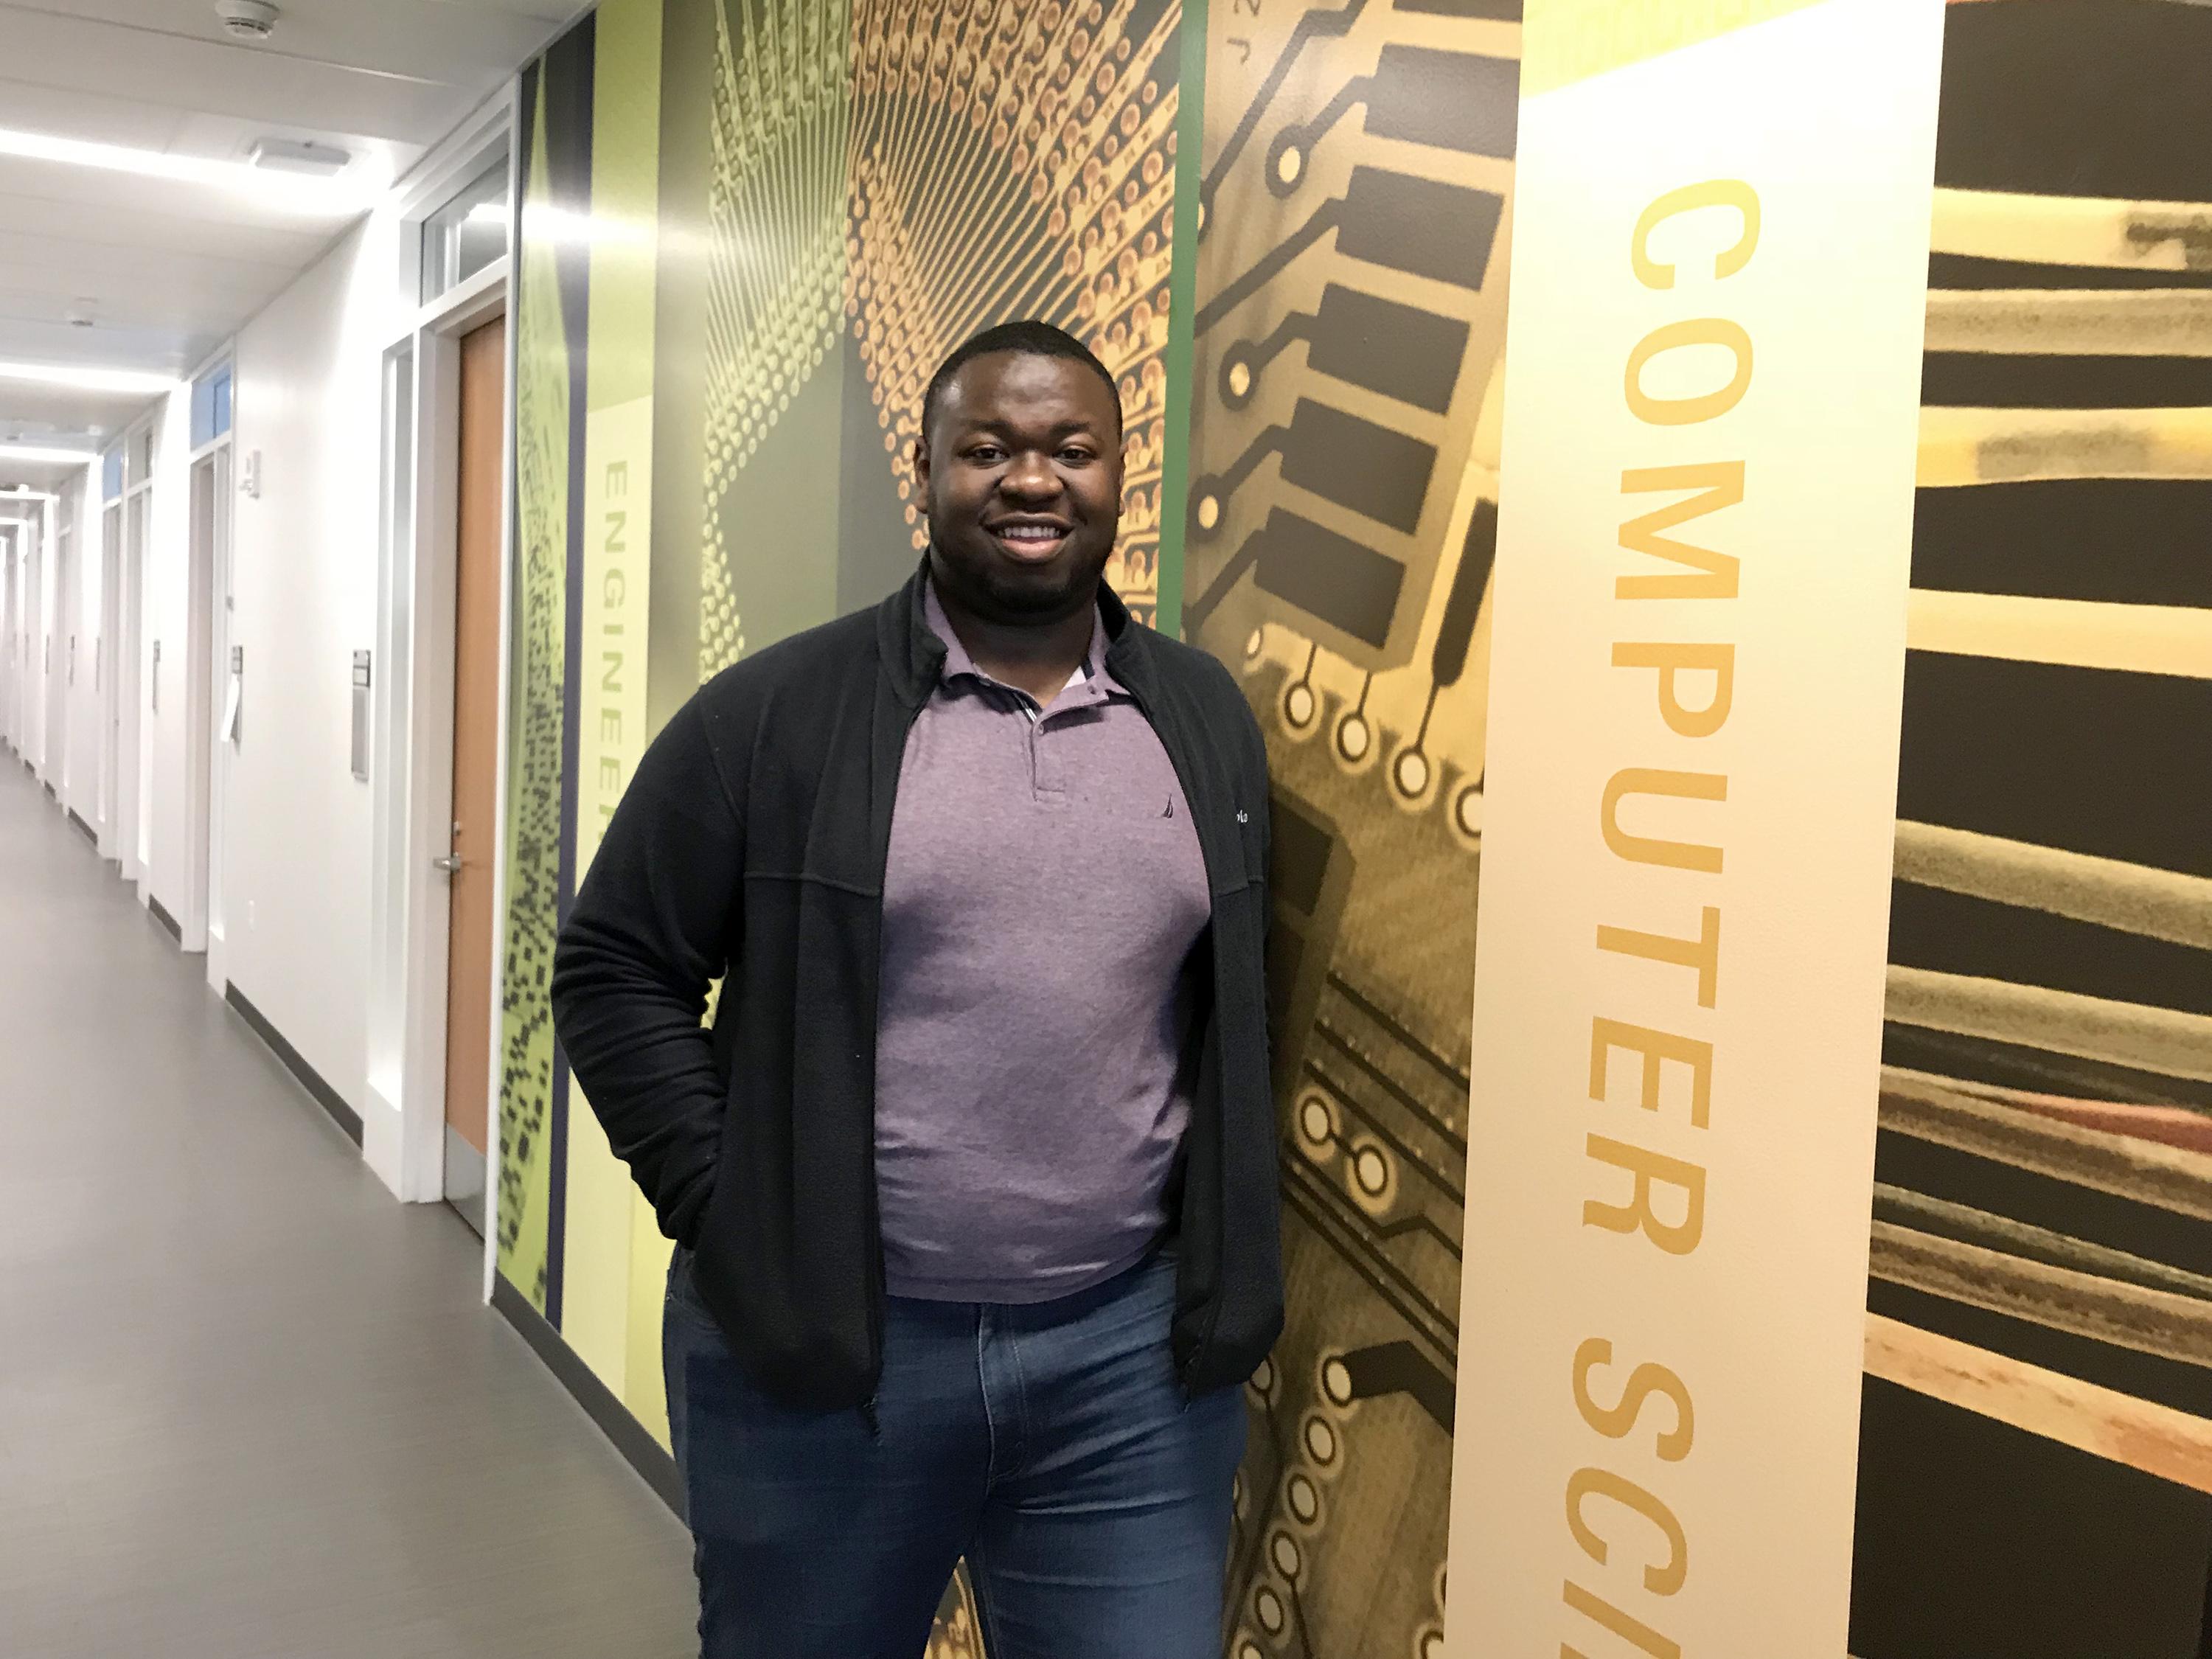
127	831
61	658
109	658
38	640
206	686
18	533
411	723
10	646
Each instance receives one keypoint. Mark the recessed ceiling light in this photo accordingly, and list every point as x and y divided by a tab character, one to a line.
12	451
88	380
350	193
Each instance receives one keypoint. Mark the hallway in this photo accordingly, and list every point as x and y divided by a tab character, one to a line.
250	1408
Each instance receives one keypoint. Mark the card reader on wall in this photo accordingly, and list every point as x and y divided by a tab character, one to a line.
231	697
361	715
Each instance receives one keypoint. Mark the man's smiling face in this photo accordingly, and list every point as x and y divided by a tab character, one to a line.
1020	475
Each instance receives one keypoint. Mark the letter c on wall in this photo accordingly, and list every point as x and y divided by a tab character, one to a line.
1663	1578
1713	192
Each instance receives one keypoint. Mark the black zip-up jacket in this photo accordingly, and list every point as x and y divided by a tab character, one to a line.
750	848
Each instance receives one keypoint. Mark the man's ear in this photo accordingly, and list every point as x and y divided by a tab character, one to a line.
921	475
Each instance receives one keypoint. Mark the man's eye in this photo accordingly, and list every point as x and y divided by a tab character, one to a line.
1076	457
985	452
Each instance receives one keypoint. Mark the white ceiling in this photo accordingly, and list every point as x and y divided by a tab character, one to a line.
166	271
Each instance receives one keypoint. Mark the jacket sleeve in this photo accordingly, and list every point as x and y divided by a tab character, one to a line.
1255	744
648	934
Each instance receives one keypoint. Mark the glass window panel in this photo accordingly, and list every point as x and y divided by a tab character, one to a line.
467	233
210	406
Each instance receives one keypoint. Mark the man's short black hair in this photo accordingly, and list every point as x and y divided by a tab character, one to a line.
1029	338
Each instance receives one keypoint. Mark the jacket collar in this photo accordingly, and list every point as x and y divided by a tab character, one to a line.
913	657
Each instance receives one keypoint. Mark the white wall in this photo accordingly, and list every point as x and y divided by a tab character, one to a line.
164	788
291	879
80	687
295	822
46	645
22	623
11	644
61	584
21	662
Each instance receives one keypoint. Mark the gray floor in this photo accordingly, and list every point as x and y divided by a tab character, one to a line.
251	1408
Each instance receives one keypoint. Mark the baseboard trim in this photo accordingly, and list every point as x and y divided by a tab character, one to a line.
49	788
630	1437
169	923
312	1080
90	833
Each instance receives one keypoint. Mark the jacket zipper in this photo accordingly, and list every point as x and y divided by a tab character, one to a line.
1201	1348
869	1413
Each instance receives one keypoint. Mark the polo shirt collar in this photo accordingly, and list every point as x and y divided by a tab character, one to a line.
1102	683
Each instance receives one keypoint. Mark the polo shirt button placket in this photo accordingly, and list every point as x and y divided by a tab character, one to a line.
1044	773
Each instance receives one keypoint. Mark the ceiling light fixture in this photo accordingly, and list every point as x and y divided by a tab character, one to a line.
88	380
45	456
299	155
351	192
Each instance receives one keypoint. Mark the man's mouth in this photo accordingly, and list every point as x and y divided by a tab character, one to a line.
1029	538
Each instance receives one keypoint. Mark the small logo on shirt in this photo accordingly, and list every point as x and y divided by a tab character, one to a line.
1241	818
1168	811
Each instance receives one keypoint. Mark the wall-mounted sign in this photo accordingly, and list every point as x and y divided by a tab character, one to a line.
1704	552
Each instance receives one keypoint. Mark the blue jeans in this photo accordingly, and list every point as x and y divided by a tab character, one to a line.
1050	1445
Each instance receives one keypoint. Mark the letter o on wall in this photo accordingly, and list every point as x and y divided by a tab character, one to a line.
1703	406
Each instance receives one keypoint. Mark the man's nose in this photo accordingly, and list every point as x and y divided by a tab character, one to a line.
1031	477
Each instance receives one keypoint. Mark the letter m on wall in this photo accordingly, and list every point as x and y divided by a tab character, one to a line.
1710	575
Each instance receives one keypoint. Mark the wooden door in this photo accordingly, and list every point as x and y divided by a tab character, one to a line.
475	754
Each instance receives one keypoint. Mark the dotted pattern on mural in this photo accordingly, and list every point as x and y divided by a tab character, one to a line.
533	854
914	173
776	230
1016	162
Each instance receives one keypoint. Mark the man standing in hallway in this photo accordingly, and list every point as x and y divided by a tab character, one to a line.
973	1176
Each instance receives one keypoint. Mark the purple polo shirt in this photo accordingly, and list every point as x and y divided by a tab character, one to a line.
1042	896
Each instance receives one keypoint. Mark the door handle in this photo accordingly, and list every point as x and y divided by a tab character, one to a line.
449	862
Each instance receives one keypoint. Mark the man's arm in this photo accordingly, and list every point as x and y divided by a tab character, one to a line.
648	934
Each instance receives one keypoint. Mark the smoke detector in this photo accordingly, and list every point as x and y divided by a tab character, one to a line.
249	20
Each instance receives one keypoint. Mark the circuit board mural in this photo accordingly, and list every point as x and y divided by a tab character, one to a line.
888	178
849	187
2035	1474
538	832
1342	523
